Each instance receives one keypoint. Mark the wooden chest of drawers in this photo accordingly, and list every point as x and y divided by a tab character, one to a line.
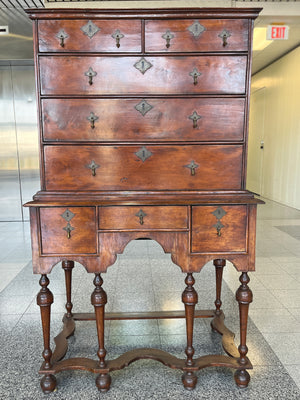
143	133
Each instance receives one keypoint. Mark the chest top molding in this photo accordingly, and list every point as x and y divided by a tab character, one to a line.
83	13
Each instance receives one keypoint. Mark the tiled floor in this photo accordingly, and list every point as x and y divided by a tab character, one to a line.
145	279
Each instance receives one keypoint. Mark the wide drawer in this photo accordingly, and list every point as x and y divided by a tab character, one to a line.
153	167
89	35
74	75
170	119
196	35
219	229
143	217
68	230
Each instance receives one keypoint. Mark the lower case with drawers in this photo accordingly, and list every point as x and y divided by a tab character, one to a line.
94	233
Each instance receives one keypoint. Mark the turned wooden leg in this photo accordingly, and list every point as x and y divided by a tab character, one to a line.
244	298
99	299
219	265
44	300
190	299
68	267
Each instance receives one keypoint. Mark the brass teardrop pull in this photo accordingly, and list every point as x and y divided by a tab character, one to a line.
62	35
195	74
224	35
117	35
192	166
168	36
141	214
93	166
68	229
90	73
194	117
92	118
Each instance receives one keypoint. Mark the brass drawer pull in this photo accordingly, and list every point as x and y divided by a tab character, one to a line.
224	35
90	73
68	229
92	118
195	74
93	166
194	117
141	216
168	36
117	35
192	166
62	35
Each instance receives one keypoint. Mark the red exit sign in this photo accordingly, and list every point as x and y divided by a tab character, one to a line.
277	32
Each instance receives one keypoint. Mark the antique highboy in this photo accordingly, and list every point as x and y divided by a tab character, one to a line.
143	134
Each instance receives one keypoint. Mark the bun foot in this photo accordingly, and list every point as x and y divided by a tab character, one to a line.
103	382
242	378
189	380
48	383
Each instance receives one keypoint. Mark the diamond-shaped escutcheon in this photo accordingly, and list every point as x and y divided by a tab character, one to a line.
143	153
219	213
143	107
143	65
68	215
90	29
196	29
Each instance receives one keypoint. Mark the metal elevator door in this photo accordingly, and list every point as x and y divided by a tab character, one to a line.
19	160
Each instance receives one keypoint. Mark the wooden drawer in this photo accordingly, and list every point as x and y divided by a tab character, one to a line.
62	75
89	35
219	229
188	35
157	119
69	230
143	217
143	168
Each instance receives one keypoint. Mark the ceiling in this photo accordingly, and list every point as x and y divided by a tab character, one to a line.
18	44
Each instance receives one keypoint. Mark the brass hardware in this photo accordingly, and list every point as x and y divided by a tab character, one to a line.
194	117
143	65
168	36
90	29
90	73
141	216
143	154
68	215
92	118
195	73
93	166
68	229
224	35
218	227
143	107
196	29
118	36
192	166
62	35
219	213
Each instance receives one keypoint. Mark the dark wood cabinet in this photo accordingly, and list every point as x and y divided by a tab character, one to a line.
143	120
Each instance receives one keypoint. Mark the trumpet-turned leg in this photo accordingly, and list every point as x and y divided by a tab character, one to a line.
219	266
190	299
44	300
99	299
244	298
68	267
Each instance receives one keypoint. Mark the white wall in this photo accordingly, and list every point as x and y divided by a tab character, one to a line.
280	128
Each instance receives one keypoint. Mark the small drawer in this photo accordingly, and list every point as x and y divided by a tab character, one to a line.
219	229
89	35
143	217
87	75
68	230
143	167
102	120
202	35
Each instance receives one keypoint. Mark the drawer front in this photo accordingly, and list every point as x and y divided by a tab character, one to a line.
219	229
69	230
63	75
103	120
196	35
143	168
89	35
143	217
